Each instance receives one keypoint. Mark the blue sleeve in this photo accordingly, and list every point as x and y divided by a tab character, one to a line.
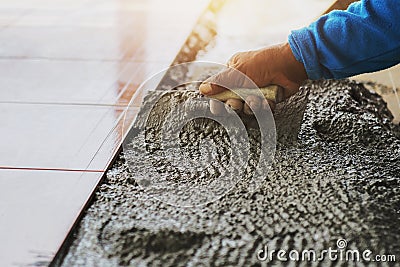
363	38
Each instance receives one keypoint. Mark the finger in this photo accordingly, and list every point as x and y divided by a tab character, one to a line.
234	104
247	110
216	107
291	88
207	88
268	103
229	78
232	61
251	124
254	102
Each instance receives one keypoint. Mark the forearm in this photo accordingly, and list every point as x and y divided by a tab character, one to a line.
364	38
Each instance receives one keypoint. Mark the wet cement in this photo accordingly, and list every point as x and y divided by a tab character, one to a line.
340	180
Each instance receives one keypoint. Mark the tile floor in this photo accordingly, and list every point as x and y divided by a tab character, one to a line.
37	209
69	69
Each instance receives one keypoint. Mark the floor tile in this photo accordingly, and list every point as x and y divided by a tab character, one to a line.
130	80
96	30
126	109
43	17
43	4
113	142
90	43
60	43
9	16
37	209
159	47
52	136
391	79
66	81
58	81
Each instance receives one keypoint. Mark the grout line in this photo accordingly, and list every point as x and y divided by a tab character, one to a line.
125	67
47	169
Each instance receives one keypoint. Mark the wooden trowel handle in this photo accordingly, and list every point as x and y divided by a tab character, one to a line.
271	92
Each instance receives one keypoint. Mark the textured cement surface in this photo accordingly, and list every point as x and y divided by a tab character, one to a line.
341	180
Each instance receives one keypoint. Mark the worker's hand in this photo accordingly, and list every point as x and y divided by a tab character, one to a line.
271	65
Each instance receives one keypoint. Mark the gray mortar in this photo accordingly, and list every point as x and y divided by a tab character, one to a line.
341	180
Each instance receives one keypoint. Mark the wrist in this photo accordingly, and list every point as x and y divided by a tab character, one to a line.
294	69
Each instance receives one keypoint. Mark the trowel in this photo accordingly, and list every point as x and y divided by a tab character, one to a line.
288	114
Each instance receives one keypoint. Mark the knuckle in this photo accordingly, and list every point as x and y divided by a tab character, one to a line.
235	58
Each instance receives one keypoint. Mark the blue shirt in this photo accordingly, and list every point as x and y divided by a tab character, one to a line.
363	38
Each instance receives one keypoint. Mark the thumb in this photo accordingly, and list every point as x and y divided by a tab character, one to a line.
229	78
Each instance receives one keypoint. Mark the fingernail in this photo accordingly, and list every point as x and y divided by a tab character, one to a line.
234	104
216	107
205	88
247	110
253	104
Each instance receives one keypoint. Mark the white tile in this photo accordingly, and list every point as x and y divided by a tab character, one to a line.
37	210
59	81
53	136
